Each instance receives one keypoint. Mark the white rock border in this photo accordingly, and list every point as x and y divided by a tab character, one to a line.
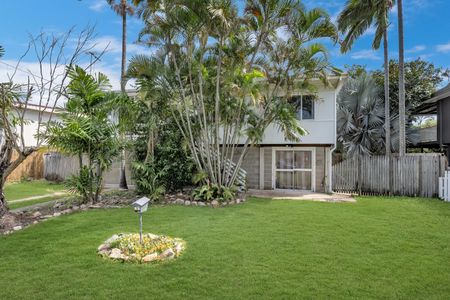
213	203
108	252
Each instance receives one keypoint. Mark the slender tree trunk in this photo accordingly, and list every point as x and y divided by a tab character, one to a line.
5	162
401	81
387	107
123	177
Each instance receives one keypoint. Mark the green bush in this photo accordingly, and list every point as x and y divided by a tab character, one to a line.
209	192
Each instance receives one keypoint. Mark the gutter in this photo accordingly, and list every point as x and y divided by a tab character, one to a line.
332	149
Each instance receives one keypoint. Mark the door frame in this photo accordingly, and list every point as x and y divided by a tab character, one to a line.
313	165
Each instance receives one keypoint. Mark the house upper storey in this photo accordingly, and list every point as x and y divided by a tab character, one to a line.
317	115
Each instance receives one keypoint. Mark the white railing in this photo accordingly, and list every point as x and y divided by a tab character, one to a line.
444	187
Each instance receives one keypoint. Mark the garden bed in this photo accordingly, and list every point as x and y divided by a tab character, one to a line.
128	248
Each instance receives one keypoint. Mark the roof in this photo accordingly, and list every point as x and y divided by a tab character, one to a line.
439	95
430	106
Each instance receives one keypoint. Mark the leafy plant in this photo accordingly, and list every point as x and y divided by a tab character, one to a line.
148	180
209	192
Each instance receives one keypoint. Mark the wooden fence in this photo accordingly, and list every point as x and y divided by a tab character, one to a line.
57	167
32	167
411	175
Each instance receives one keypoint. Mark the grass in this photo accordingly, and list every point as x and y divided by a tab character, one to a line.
376	248
25	189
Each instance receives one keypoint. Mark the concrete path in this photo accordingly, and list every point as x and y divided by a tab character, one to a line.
301	195
38	197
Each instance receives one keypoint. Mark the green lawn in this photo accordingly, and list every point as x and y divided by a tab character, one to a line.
376	248
25	189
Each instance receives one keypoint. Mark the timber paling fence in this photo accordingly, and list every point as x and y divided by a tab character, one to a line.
58	167
411	175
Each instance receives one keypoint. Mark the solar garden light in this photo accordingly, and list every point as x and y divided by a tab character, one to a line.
140	206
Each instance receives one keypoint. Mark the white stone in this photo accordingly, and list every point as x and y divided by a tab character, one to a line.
150	257
179	201
152	236
238	201
200	203
195	203
187	202
168	254
178	248
16	228
112	239
102	247
215	203
37	214
56	214
116	254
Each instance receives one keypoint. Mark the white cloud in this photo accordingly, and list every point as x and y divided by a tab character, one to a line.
444	48
114	45
365	54
98	5
416	49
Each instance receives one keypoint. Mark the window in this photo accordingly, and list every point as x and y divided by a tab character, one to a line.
304	105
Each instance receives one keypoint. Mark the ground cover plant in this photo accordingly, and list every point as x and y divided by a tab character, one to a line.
265	249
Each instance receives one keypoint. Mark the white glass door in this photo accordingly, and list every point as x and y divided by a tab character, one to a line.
294	169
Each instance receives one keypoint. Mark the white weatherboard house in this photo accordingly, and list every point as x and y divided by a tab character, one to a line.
278	164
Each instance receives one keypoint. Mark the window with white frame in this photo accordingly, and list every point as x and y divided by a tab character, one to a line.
304	106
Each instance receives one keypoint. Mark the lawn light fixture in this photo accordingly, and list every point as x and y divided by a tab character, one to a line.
140	206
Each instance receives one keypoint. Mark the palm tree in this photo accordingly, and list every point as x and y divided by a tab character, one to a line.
401	81
123	8
356	18
360	116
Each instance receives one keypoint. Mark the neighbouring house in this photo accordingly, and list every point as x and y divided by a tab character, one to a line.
34	113
438	105
306	165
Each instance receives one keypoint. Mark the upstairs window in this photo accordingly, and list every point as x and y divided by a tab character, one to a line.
304	106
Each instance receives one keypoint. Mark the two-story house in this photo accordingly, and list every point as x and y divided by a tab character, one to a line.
306	165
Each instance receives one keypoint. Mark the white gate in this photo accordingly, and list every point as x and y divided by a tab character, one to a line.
444	187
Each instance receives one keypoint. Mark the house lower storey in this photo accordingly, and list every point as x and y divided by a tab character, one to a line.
288	167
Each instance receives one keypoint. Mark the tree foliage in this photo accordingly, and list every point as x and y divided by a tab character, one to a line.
226	77
86	131
422	79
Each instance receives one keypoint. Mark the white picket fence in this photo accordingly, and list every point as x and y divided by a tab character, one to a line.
444	187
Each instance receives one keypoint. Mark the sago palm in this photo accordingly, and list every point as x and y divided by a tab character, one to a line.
359	16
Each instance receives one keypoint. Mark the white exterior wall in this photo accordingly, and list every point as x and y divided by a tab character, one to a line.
321	130
31	127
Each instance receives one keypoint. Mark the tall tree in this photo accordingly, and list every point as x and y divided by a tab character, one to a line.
401	81
228	78
47	88
85	130
356	18
123	9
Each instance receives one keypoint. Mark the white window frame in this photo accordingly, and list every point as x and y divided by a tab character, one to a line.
301	108
312	170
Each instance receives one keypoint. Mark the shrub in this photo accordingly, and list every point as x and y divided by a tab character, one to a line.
209	192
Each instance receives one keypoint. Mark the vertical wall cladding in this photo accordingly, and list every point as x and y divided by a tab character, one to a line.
251	165
268	168
320	169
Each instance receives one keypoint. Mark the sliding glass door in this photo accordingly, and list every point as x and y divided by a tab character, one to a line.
294	169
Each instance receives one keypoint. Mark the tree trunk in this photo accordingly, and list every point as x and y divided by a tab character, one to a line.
401	81
3	205
387	107
123	178
5	162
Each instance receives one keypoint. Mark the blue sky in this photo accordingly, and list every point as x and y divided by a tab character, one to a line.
427	29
